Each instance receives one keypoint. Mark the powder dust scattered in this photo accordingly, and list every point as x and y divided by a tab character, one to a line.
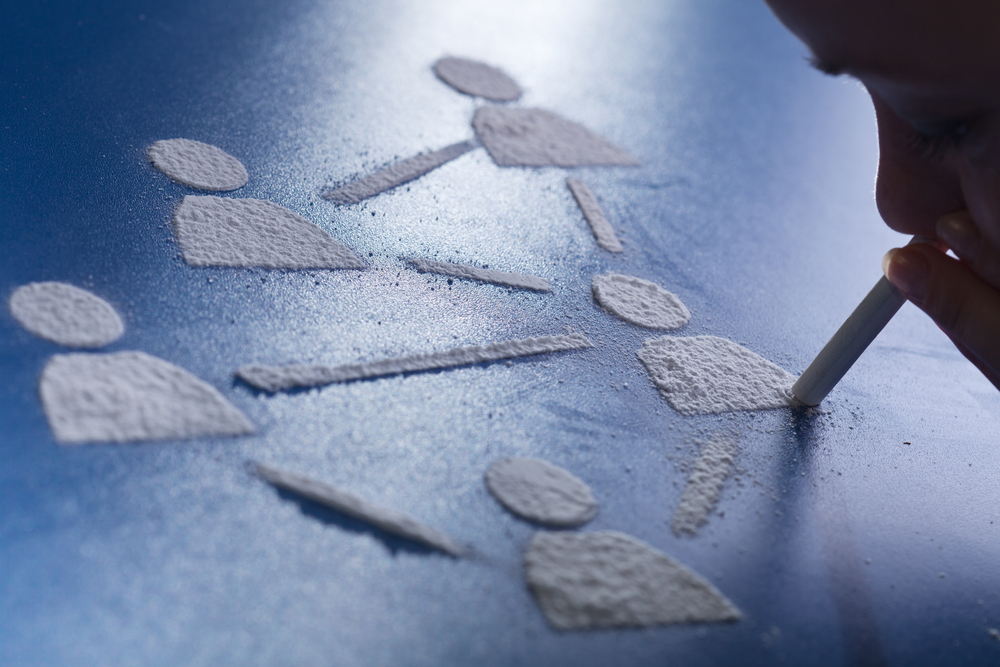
608	579
130	396
519	280
389	520
478	79
705	374
542	492
65	314
197	165
539	138
277	378
213	231
592	213
639	301
704	485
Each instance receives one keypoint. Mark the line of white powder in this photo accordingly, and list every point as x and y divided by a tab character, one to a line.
520	280
389	520
704	485
599	224
396	174
277	378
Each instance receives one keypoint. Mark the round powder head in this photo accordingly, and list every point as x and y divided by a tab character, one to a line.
65	314
639	302
197	165
479	79
540	491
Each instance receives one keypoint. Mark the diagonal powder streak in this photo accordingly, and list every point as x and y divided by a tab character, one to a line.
599	225
278	378
397	174
704	486
386	519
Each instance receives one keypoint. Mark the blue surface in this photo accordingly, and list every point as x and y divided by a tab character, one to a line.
841	543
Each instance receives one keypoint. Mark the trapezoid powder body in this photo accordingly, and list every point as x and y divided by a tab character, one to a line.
542	492
639	301
706	374
214	231
197	165
65	314
476	78
539	138
130	396
607	579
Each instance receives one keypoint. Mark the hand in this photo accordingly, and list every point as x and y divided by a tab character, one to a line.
962	296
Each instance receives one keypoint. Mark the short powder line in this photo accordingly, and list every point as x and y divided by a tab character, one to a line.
519	280
397	174
278	378
599	224
704	485
383	518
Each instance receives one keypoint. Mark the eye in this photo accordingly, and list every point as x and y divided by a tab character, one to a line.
934	140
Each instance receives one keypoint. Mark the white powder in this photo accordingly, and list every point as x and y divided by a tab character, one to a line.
705	374
65	314
639	301
386	519
132	396
704	485
213	231
611	580
599	224
475	78
539	138
542	492
397	174
276	378
521	280
197	165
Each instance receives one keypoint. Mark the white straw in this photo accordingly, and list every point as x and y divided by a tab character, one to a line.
852	338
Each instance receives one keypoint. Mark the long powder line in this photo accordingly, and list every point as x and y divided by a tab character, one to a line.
278	378
520	280
397	174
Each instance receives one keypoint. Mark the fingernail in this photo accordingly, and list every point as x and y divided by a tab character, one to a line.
960	234
909	271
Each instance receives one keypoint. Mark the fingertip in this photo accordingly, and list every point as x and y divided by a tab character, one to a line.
886	260
959	232
909	271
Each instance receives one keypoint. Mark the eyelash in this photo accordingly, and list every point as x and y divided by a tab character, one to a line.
936	146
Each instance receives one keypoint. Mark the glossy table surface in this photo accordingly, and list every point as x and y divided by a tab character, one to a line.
862	534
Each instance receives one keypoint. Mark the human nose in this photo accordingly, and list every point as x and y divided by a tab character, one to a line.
912	190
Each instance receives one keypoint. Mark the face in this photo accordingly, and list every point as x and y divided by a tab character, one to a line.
932	68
